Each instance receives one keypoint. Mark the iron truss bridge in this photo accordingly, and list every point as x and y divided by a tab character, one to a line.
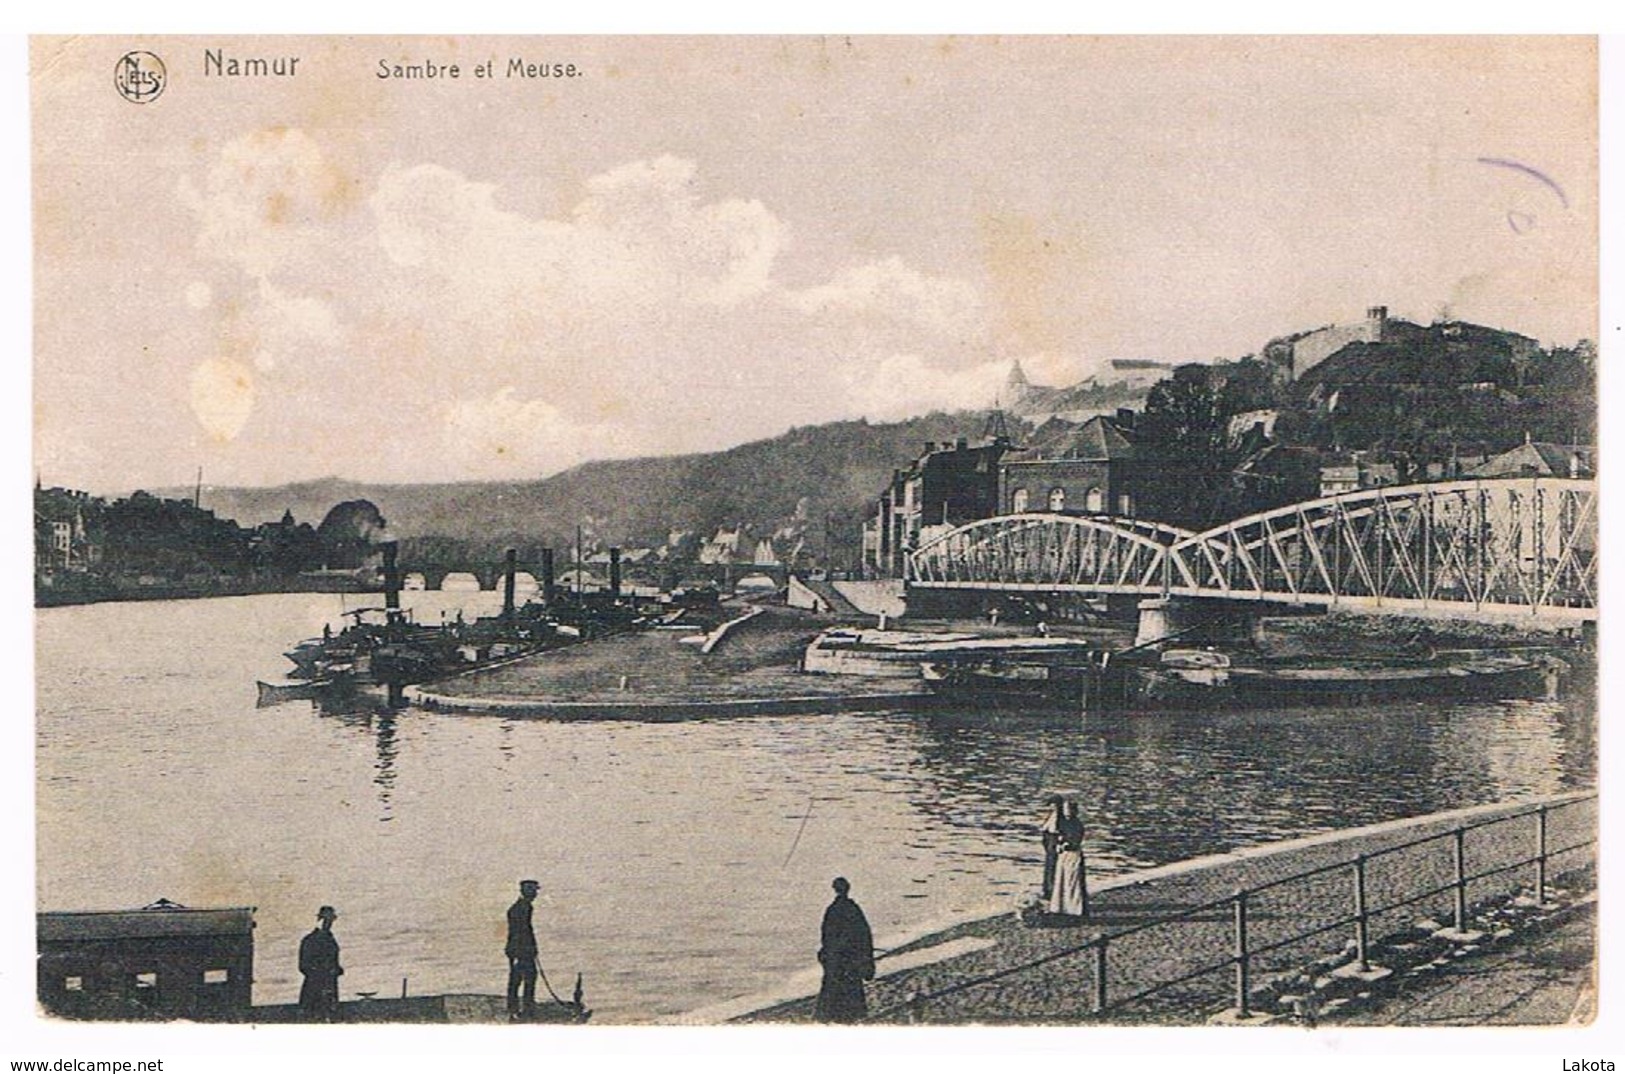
1492	549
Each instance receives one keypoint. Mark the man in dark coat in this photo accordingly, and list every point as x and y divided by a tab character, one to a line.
521	952
848	958
319	962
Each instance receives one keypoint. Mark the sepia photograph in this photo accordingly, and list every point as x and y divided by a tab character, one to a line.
815	531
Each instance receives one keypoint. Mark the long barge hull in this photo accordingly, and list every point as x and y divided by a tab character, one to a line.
1137	689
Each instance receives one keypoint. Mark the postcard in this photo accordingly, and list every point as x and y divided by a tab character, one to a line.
573	532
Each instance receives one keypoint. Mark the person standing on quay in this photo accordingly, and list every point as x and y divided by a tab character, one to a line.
1051	833
1071	895
319	963
521	952
848	958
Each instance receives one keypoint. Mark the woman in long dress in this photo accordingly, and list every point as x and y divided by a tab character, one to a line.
1051	833
1070	898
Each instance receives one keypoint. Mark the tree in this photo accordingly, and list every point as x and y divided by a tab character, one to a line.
1185	434
1247	385
1183	421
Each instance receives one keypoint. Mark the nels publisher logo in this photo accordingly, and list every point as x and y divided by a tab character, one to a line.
140	77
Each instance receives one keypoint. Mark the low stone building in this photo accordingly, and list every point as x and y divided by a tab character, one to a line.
1093	468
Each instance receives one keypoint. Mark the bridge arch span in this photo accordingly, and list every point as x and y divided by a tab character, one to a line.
1487	549
1490	549
1083	553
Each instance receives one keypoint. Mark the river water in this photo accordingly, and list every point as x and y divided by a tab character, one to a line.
681	864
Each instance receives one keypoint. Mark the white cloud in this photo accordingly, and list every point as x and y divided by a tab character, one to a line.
638	239
945	307
903	385
429	210
504	434
646	212
274	206
646	317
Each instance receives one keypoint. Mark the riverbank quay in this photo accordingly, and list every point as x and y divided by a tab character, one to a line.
1262	935
1545	977
663	674
64	595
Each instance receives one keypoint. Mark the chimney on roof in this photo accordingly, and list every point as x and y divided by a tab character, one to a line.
961	444
1125	417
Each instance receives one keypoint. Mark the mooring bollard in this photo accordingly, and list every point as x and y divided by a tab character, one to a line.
1540	856
1242	981
1362	932
1461	879
1100	975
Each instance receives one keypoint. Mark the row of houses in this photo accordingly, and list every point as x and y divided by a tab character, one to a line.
1089	468
728	546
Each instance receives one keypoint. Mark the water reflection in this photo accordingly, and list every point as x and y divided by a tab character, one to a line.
1165	787
683	862
372	718
386	748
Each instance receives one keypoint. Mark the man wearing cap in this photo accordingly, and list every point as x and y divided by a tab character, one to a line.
848	958
521	952
319	962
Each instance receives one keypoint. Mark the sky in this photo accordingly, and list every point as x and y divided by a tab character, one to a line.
698	242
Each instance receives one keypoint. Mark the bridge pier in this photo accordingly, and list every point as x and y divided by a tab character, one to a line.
1161	617
1225	622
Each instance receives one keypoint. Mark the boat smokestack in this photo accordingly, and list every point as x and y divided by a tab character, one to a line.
615	574
548	585
392	581
509	566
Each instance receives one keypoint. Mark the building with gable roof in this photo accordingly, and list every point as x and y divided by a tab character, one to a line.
1535	458
1093	468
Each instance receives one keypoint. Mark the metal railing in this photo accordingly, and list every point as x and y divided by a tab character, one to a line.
1416	873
